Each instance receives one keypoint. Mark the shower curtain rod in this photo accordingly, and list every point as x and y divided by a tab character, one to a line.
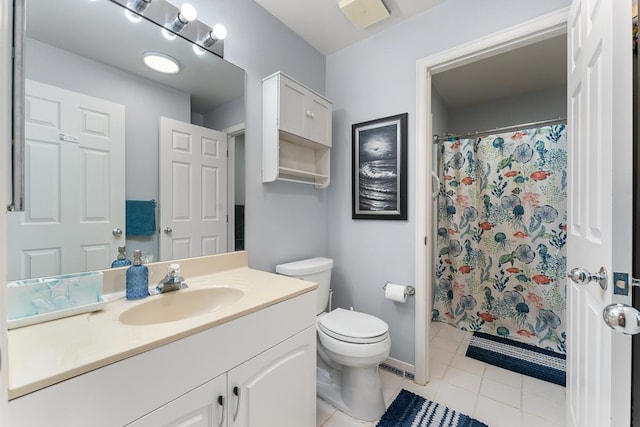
436	138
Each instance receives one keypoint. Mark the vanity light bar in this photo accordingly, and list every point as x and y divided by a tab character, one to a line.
140	6
196	31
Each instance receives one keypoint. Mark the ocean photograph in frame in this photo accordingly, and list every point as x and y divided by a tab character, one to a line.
379	171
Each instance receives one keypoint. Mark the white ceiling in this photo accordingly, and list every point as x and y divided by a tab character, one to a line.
323	25
525	70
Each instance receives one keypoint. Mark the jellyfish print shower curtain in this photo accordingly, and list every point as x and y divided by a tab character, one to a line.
502	216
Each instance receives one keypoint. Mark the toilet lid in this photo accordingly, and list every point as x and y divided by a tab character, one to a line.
353	326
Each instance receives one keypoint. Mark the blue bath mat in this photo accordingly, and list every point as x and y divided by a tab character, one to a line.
409	410
519	357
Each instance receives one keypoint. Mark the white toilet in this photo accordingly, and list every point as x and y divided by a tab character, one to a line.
351	345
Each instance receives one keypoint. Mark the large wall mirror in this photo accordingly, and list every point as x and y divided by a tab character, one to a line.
97	122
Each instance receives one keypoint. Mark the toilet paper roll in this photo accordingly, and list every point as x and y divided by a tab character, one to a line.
395	292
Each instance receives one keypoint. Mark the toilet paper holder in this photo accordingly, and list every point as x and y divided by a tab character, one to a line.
409	290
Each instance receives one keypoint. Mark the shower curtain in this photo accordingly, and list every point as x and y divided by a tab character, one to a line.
502	215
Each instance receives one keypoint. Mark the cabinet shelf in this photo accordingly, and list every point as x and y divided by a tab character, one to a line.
302	177
296	133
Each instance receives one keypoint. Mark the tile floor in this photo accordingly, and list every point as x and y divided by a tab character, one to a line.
495	396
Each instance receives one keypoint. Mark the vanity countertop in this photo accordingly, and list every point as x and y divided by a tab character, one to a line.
47	353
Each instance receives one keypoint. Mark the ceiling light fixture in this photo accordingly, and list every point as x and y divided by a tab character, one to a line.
161	62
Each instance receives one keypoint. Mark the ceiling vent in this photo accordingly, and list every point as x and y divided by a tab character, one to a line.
363	13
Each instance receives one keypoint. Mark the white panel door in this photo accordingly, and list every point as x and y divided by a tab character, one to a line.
74	184
600	206
193	190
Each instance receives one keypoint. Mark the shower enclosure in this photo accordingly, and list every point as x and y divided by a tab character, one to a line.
502	215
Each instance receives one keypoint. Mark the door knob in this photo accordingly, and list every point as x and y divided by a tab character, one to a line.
168	230
622	318
581	276
117	232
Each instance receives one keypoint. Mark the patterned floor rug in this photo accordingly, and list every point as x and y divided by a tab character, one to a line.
519	357
411	410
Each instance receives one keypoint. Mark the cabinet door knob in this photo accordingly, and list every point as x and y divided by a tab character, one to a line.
308	113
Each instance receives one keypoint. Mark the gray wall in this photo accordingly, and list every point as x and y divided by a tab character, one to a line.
541	105
377	78
284	221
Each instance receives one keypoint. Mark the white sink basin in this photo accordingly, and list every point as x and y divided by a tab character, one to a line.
180	305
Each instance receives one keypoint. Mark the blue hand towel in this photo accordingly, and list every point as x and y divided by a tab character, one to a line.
141	217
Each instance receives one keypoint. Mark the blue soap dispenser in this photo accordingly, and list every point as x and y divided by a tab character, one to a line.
121	260
137	278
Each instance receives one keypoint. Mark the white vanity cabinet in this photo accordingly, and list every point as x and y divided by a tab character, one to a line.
202	407
269	355
296	132
271	389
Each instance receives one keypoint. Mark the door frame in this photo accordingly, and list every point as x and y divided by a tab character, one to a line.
6	38
529	32
232	132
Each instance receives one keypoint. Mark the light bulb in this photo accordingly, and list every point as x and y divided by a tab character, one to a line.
219	31
198	50
188	12
132	16
168	34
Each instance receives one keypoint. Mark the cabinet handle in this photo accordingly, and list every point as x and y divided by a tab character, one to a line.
221	403
313	115
308	113
236	392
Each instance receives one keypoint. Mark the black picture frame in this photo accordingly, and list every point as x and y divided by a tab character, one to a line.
379	169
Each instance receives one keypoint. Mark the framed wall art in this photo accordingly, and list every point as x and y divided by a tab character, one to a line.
379	174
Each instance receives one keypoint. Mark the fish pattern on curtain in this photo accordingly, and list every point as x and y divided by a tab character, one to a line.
502	221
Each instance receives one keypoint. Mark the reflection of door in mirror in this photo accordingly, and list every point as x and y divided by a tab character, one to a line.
74	185
193	190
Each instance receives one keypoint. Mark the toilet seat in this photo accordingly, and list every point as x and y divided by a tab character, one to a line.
353	327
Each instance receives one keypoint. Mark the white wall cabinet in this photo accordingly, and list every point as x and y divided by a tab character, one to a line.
268	355
296	132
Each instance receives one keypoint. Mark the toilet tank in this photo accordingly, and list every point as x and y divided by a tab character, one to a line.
316	270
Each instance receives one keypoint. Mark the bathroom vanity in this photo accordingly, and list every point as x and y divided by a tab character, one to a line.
249	362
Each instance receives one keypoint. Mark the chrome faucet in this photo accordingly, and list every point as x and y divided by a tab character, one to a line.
172	281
